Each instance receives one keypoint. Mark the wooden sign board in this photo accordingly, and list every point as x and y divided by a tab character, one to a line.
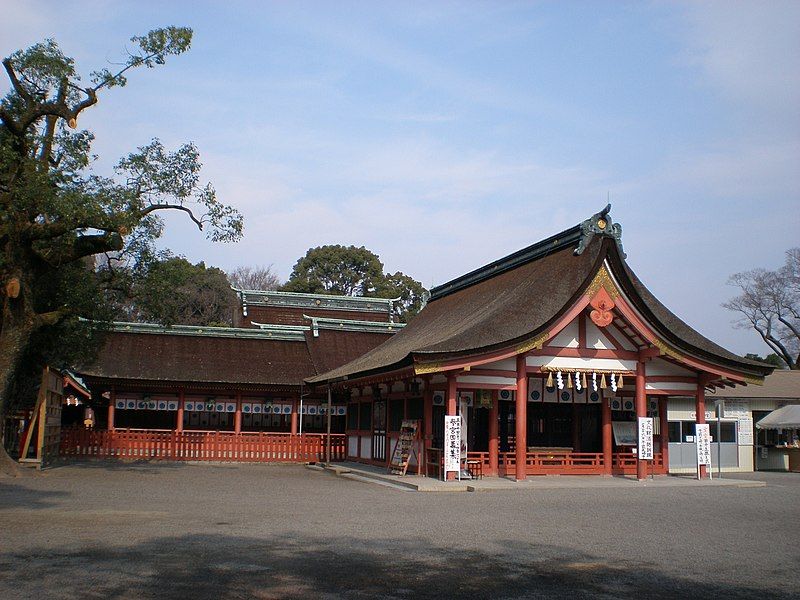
645	449
47	415
404	448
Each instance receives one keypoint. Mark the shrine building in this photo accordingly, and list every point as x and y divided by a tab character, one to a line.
229	393
549	354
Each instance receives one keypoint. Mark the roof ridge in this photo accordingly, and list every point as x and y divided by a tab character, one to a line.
598	224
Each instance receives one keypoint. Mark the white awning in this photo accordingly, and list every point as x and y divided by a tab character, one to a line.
787	417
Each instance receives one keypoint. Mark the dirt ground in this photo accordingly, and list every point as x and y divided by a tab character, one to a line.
104	530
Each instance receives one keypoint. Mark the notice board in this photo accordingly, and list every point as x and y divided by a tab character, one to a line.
404	447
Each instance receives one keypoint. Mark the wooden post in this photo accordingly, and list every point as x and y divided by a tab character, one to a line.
521	418
427	414
641	411
494	435
294	416
662	415
237	417
700	410
179	417
451	406
328	441
608	457
112	404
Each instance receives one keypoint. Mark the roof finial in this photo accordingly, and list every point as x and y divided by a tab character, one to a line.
600	224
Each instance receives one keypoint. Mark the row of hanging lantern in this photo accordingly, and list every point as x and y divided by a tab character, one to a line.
581	380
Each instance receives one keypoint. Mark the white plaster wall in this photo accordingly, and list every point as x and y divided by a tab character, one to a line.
585	364
567	337
596	339
615	331
479	379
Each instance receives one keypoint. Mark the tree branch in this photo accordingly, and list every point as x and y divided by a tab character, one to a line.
85	245
186	209
18	87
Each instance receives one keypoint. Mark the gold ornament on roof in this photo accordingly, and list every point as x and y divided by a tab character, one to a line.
602	280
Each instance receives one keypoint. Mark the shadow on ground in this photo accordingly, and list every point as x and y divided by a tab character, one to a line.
13	495
219	566
139	466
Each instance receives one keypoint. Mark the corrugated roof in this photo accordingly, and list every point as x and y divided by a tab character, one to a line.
782	384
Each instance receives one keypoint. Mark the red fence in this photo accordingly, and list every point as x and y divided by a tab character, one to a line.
559	462
200	445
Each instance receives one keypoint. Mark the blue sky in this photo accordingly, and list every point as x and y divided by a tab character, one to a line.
443	135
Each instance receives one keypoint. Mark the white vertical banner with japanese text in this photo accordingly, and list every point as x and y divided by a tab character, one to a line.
645	450
703	438
452	444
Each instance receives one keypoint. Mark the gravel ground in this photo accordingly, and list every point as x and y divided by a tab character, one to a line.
102	530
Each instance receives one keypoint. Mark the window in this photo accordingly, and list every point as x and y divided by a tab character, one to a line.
687	430
352	415
727	432
396	414
364	415
675	431
415	408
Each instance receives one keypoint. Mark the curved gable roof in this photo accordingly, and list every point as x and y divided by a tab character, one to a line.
515	298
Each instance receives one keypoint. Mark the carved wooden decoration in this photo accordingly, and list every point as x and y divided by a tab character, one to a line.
602	304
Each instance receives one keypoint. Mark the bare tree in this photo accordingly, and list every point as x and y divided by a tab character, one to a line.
770	304
254	278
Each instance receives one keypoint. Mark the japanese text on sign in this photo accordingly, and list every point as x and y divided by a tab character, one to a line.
452	443
645	438
703	437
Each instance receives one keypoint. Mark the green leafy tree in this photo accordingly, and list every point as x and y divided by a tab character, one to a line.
57	215
354	271
409	293
335	269
174	291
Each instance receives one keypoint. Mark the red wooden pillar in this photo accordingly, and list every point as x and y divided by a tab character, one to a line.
662	416
700	410
608	458
112	402
179	416
237	417
521	418
451	406
494	434
427	413
641	411
294	416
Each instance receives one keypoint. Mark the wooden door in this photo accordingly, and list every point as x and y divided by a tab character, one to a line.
379	430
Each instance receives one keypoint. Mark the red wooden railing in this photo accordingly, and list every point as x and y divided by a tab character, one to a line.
557	462
200	445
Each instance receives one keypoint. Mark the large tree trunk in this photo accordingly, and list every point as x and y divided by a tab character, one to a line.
18	324
12	348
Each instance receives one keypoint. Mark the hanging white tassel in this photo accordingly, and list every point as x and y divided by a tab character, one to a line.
578	382
613	383
594	382
560	380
